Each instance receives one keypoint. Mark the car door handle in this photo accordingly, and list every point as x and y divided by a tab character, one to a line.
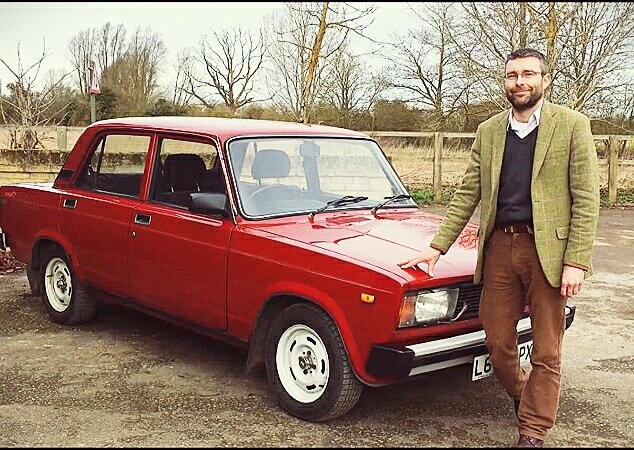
70	203
142	219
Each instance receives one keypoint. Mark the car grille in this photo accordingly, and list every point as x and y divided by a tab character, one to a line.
469	293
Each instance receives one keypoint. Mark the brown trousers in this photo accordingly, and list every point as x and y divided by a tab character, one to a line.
512	279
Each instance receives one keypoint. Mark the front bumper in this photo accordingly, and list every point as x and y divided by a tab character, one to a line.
401	363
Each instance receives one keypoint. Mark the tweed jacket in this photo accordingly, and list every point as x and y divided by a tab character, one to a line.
564	190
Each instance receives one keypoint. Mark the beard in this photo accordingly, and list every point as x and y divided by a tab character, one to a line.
526	104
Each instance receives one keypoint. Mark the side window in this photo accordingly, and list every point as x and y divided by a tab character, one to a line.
116	165
185	167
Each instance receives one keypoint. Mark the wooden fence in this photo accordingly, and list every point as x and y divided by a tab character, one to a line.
439	142
439	138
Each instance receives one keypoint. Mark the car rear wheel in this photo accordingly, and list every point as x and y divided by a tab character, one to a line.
307	365
65	299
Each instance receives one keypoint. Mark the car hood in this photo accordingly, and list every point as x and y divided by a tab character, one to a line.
383	240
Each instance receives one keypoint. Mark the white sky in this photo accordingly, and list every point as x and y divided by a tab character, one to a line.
36	25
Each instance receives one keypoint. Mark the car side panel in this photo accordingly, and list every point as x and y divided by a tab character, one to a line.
178	264
98	228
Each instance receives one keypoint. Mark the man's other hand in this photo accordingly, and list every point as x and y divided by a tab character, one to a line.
571	280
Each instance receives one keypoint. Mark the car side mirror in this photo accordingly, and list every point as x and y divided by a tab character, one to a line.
209	203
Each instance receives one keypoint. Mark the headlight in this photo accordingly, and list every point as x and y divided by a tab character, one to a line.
428	306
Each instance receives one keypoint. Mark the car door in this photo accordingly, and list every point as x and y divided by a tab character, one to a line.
96	211
178	259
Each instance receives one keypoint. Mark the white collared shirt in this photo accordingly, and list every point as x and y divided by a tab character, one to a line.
524	129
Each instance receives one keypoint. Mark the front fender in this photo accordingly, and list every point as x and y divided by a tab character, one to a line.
355	341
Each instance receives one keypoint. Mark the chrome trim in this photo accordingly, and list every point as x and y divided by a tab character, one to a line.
441	365
140	219
464	308
225	173
454	343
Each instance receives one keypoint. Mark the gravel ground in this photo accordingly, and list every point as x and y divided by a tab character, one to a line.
126	380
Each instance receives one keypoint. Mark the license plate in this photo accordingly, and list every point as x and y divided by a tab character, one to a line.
482	367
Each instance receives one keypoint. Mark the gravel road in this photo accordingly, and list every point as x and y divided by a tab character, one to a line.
126	380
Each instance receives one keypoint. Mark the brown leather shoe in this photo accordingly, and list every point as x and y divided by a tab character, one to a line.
527	441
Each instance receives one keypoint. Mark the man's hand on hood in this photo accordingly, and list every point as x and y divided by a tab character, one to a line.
429	255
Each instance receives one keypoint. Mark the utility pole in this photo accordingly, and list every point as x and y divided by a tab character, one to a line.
93	109
93	89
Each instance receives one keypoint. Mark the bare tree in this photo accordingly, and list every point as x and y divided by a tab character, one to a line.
82	49
588	46
111	45
483	37
425	66
25	107
600	53
182	84
104	46
289	63
307	34
626	107
351	86
134	76
230	64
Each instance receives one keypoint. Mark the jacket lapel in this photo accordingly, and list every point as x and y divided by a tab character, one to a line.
544	135
497	153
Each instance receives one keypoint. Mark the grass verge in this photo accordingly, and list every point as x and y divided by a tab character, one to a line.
425	196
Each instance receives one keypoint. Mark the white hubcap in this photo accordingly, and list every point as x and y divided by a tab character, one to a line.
302	363
58	284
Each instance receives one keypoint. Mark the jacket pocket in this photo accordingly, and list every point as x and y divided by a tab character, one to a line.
562	232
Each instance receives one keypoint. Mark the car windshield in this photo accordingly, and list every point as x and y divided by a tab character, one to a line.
276	176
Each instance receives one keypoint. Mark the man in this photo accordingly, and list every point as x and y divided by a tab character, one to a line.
534	171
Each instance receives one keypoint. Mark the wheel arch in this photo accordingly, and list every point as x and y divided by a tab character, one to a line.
34	267
41	245
270	309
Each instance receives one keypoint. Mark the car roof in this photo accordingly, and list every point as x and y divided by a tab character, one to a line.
226	128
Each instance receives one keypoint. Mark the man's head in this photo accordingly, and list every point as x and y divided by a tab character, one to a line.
526	78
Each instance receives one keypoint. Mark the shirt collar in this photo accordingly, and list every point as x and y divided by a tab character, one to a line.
514	124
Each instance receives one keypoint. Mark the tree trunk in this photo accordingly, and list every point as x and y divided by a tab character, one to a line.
312	65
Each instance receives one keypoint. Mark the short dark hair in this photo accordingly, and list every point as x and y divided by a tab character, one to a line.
528	53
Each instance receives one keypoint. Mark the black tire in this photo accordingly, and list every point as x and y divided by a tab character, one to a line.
307	365
33	276
65	299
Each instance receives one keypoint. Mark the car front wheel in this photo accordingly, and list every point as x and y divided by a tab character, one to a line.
65	299
307	365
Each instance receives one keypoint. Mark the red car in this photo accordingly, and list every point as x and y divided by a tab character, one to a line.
278	237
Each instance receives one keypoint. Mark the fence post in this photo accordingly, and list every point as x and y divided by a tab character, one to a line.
438	144
613	168
62	138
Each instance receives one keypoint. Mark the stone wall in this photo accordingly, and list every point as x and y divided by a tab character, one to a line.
18	166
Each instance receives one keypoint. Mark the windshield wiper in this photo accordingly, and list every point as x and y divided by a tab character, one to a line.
345	200
396	198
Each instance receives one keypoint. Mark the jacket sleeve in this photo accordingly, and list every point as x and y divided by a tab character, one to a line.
463	203
584	190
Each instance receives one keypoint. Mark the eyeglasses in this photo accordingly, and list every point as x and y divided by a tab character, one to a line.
526	75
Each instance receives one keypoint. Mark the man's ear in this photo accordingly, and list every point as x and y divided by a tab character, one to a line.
548	78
